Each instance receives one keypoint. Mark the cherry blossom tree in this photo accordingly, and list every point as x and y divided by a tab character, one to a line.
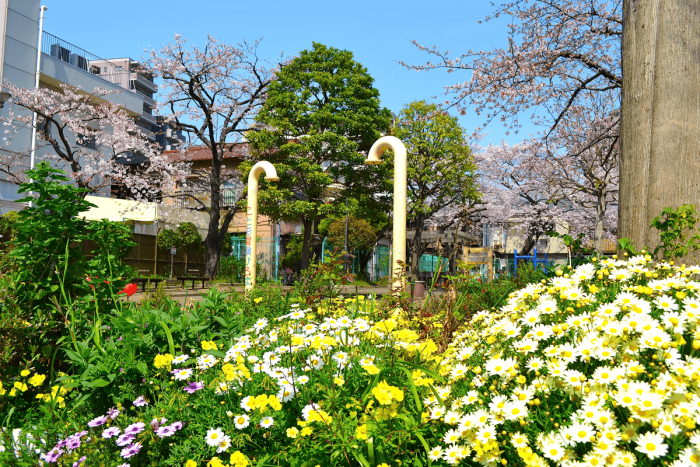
563	59
90	138
212	93
557	52
583	155
515	182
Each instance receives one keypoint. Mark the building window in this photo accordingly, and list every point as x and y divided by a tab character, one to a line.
86	141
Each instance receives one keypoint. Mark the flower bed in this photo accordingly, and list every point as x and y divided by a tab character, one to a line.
594	367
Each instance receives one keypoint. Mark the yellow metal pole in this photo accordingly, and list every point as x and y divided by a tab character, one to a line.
252	218
400	177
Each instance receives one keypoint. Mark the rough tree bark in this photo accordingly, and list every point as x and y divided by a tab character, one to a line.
660	166
306	245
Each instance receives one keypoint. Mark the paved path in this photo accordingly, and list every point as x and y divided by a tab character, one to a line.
182	295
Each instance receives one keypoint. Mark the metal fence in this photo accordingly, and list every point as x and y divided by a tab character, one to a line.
81	58
430	263
506	266
267	255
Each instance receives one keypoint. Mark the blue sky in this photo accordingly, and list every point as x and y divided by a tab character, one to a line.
377	32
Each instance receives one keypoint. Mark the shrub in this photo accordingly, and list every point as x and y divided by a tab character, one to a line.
231	269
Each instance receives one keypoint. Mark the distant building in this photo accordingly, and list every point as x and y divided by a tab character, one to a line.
65	63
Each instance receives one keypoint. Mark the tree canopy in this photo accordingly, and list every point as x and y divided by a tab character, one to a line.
441	170
321	113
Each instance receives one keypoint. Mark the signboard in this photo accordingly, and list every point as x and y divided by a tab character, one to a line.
173	251
478	256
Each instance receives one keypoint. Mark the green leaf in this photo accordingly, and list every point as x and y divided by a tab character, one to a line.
414	391
97	383
171	344
425	445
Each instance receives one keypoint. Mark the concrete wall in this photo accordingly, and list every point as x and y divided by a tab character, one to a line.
21	21
55	71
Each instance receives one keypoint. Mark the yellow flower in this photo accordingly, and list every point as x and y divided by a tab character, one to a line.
238	459
261	402
37	380
385	394
383	465
215	462
21	386
274	402
307	431
2	390
163	361
25	372
372	369
190	463
337	380
292	432
361	432
257	300
209	345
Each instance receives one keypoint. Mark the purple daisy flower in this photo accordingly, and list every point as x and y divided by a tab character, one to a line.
177	425
193	387
73	442
140	402
80	461
113	413
125	439
166	431
124	465
156	422
53	455
131	450
134	428
110	432
95	422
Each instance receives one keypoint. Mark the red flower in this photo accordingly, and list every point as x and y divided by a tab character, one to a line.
129	290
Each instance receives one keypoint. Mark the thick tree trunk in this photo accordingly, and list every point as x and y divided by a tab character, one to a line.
306	245
416	247
363	258
660	134
600	208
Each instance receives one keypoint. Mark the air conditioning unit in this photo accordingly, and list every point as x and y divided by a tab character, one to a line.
59	52
78	61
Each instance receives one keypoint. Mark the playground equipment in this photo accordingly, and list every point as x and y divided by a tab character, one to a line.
532	258
400	187
252	220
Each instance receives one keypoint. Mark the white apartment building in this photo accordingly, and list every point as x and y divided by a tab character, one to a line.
65	63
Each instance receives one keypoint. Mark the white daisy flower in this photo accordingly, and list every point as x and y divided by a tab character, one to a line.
214	437
652	444
241	421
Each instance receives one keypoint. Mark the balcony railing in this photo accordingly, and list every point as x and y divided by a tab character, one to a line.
81	58
185	199
89	62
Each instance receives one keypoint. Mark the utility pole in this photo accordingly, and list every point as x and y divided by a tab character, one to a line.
346	237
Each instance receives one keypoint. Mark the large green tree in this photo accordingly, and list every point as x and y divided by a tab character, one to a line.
321	114
441	171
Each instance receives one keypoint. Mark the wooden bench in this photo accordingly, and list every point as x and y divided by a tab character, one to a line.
204	279
145	280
